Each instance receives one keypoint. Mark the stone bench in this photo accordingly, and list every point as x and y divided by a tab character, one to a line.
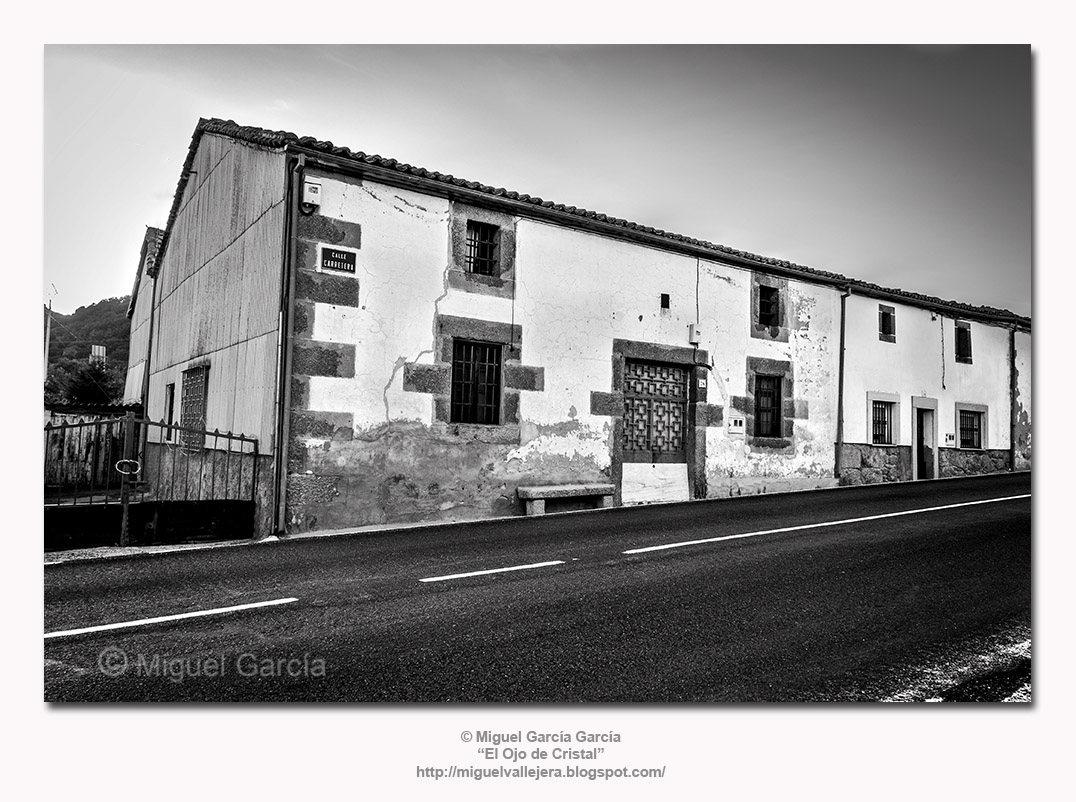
534	496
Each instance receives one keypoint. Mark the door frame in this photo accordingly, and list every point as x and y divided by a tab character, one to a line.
695	361
918	403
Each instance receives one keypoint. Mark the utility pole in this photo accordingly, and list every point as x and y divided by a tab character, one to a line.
48	332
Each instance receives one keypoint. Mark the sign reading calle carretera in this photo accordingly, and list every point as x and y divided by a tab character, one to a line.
335	259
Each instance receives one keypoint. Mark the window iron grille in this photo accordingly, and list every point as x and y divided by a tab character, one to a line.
971	429
482	248
476	382
882	423
767	406
769	306
193	406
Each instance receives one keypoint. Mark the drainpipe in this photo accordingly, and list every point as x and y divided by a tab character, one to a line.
1012	399
149	346
840	389
284	345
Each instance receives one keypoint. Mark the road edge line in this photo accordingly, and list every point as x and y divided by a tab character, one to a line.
821	525
63	633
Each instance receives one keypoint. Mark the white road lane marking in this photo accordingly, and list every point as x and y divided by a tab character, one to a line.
159	619
822	524
491	571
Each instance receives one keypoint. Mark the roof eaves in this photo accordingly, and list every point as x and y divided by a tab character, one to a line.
280	139
147	263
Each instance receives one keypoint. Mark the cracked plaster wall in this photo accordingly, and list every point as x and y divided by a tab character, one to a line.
1023	402
579	292
735	464
396	463
574	294
404	238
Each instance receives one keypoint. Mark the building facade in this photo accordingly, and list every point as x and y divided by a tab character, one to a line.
408	346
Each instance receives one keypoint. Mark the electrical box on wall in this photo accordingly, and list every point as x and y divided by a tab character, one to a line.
693	335
950	439
736	424
311	192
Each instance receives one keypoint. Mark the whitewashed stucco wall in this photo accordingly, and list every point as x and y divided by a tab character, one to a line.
922	363
575	293
813	317
400	271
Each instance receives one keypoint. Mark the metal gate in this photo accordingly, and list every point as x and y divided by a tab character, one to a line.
655	411
133	481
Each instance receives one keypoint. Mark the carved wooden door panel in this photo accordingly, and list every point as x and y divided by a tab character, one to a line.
655	412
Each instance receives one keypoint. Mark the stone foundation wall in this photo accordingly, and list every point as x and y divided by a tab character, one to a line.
730	487
965	462
862	464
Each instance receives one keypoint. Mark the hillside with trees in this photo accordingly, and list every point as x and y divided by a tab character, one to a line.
71	378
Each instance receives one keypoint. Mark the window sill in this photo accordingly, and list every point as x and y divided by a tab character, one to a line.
498	286
769	442
499	433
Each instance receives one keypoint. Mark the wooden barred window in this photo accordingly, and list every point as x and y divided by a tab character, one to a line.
767	406
971	429
482	248
476	382
769	306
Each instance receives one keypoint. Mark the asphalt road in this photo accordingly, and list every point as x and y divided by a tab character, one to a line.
833	613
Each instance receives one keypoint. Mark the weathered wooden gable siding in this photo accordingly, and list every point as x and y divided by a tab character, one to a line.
136	363
220	286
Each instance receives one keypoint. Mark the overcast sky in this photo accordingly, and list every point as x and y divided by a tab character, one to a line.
906	166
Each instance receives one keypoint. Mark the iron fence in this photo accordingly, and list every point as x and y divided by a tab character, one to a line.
127	461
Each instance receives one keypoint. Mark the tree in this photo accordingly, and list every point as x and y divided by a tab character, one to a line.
83	382
71	377
102	323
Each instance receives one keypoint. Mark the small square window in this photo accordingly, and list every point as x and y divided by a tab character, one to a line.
476	382
769	306
971	429
963	342
887	323
665	300
767	406
482	253
882	423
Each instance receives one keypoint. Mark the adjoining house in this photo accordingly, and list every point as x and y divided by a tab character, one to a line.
410	346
